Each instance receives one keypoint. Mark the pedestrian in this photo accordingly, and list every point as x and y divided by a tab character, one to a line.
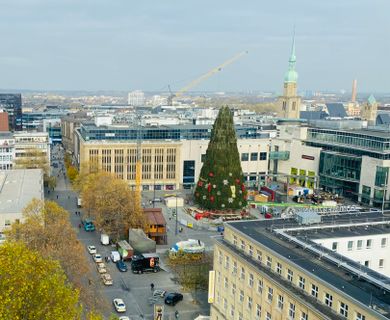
57	196
89	281
152	286
177	314
79	225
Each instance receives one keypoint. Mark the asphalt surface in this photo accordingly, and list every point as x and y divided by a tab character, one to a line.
134	289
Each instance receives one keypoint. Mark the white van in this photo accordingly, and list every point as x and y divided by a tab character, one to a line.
104	239
115	256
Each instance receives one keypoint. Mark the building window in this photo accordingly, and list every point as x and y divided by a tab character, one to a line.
268	316
291	311
350	245
263	156
381	263
254	156
280	302
259	286
250	301
218	277
259	255
380	176
359	244
226	283
242	274
235	241
258	312
334	246
240	316
301	283
232	311
290	275
359	316
244	156
269	262
233	289
243	245
314	290
227	262
250	280
224	304
250	250
241	296
368	243
304	316
270	294
234	271
367	263
328	300
220	257
279	268
344	309
7	223
384	242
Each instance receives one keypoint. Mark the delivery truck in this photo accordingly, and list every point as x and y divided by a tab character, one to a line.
148	262
125	250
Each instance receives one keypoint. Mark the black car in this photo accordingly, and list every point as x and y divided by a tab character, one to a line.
121	266
173	298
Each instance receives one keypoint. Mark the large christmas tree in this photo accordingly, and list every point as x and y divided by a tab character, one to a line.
221	182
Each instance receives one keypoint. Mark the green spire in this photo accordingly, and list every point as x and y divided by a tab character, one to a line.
291	75
371	100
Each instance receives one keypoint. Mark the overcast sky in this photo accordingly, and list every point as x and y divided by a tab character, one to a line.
127	45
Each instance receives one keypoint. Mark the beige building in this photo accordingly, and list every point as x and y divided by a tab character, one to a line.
271	270
369	110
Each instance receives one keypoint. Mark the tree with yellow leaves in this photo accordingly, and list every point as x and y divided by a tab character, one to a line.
33	287
47	229
110	203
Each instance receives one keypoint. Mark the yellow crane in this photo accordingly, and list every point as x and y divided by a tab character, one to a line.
203	77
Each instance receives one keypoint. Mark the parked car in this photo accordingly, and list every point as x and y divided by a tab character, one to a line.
101	267
97	258
91	249
121	266
124	318
119	305
173	298
107	280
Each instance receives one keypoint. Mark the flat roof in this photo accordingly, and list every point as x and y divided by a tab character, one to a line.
18	187
359	289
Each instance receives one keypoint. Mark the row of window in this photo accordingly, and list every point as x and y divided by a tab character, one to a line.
254	156
297	280
359	244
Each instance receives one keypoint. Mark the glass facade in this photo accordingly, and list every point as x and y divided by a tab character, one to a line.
189	172
381	176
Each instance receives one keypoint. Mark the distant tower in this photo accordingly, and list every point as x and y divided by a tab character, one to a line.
369	110
290	102
354	87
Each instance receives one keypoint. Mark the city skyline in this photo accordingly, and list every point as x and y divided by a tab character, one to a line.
127	46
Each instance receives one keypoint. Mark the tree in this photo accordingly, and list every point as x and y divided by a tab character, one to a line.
221	181
110	202
33	287
47	229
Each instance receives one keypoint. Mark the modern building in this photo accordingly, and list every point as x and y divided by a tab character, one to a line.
7	150
17	189
284	269
12	103
290	103
69	124
4	124
171	155
136	98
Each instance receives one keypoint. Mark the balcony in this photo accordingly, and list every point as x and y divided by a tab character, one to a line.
279	155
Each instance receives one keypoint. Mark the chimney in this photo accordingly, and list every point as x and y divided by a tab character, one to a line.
354	86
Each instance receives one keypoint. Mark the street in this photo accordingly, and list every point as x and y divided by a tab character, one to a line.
134	289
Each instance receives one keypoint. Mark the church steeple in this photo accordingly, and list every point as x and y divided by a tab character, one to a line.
291	74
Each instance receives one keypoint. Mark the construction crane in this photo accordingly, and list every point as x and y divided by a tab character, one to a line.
203	77
138	165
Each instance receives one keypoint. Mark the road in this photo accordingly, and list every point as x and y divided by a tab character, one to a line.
139	293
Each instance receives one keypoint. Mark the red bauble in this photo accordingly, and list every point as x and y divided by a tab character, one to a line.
243	187
209	187
244	197
238	181
211	174
200	183
212	199
197	194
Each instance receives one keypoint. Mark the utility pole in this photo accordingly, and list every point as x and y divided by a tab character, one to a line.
384	192
176	217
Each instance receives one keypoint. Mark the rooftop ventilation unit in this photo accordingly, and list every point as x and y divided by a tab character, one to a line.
307	217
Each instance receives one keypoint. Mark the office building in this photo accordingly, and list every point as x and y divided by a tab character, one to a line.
7	150
136	98
4	125
284	269
17	189
12	103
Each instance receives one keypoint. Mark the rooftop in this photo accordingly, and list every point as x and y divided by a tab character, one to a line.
18	187
365	286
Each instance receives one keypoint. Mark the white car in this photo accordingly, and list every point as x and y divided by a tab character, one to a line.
97	258
91	249
119	305
124	318
107	280
101	267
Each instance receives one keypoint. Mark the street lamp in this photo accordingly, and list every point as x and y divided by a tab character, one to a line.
176	223
384	192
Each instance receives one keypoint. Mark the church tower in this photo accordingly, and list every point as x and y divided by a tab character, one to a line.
289	104
369	110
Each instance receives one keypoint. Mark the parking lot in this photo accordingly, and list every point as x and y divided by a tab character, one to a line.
134	289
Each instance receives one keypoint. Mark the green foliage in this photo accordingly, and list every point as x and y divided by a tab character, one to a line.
32	287
221	181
